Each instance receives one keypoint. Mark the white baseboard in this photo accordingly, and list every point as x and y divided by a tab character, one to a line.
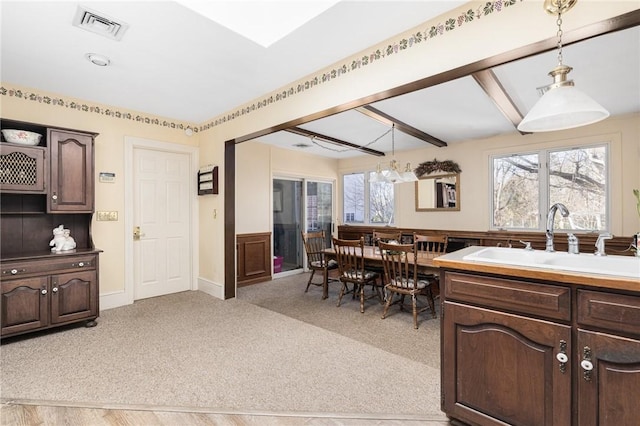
211	288
114	300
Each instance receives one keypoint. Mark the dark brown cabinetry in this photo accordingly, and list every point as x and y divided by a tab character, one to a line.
531	353
42	293
22	168
71	182
43	289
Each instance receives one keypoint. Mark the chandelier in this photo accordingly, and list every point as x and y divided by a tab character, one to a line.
393	173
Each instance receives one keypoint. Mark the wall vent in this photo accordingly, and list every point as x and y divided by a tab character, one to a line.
98	23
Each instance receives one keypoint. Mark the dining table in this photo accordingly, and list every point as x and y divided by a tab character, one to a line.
371	255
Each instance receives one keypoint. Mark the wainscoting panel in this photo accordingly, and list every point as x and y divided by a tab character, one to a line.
254	258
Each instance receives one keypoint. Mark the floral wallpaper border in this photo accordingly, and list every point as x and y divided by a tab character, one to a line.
93	109
440	29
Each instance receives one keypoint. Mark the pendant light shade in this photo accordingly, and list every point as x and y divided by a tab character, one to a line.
393	175
408	175
378	176
562	106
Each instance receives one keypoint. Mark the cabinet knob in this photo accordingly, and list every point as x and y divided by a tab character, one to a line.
55	289
14	271
562	356
81	264
54	197
44	291
586	363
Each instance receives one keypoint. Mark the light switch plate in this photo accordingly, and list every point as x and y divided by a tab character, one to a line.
107	216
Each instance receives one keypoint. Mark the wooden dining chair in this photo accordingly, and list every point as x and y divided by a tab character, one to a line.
317	260
351	266
432	246
401	278
386	236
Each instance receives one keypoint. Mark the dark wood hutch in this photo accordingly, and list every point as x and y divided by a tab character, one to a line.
42	187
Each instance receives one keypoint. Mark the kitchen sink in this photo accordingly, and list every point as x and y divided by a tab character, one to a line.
622	266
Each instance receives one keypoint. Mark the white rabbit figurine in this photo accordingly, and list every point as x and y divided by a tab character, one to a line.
62	240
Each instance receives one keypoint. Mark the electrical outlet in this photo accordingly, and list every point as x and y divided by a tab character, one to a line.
107	216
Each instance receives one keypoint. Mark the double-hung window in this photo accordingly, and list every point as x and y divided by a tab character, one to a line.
526	185
366	202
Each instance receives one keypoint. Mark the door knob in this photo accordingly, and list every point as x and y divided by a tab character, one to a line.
137	233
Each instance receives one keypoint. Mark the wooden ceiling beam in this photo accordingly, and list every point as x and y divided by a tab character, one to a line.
376	114
489	82
308	133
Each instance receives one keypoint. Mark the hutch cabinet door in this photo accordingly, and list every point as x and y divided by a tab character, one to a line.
72	180
74	296
22	169
608	380
24	305
501	368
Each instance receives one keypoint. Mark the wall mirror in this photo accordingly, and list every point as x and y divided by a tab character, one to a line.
438	193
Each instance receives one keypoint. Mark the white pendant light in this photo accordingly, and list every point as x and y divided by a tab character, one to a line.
408	175
378	176
562	106
393	175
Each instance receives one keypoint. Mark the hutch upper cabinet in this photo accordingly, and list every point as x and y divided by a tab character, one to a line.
71	171
22	169
41	188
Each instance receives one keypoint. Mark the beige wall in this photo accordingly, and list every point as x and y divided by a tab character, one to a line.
256	166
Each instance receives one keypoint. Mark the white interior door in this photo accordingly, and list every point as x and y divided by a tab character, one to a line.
162	211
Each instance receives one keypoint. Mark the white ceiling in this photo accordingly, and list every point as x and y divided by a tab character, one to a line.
173	62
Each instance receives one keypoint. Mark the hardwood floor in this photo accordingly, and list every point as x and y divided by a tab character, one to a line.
20	413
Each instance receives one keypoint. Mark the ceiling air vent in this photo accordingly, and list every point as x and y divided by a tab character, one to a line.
99	23
301	145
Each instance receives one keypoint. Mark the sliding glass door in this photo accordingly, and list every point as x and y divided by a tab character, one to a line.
319	202
287	219
298	204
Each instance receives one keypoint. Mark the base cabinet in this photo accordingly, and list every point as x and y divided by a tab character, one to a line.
501	368
45	293
529	353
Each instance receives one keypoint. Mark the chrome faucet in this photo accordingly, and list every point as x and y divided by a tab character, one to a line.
600	243
550	217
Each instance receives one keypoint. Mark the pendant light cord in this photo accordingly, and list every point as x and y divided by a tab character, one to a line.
559	35
393	140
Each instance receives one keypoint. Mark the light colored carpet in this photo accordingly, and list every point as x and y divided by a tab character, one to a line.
193	350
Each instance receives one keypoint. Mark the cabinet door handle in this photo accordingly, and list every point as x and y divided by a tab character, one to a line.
44	291
562	356
15	271
55	289
586	364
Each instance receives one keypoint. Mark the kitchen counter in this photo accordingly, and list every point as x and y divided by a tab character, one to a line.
455	260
